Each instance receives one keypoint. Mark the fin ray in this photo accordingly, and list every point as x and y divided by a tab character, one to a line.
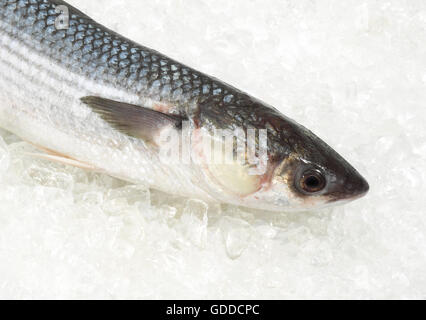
133	120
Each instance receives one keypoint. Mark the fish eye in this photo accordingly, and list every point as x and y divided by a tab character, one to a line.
311	181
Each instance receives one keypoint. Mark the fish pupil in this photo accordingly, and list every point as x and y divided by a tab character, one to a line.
312	182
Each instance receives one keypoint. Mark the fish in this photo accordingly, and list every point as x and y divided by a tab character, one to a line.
89	97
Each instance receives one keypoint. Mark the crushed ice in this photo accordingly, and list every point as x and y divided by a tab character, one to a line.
354	72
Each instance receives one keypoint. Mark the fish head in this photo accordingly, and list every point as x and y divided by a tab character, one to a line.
309	173
301	173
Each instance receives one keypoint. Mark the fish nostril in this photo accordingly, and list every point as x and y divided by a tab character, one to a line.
349	186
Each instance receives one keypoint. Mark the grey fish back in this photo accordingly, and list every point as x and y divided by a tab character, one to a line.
88	48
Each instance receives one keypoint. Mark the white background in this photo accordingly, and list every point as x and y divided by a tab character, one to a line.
352	71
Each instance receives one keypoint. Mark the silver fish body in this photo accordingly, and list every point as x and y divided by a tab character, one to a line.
47	73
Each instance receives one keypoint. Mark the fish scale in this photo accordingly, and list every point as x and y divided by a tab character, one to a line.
107	56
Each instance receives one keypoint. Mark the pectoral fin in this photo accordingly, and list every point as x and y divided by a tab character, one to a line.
133	120
58	157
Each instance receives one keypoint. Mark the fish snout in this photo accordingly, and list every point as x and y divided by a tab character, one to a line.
350	187
356	187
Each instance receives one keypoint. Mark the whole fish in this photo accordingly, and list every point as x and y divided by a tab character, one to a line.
91	98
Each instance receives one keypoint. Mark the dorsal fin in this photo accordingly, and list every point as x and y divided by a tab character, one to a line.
133	120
